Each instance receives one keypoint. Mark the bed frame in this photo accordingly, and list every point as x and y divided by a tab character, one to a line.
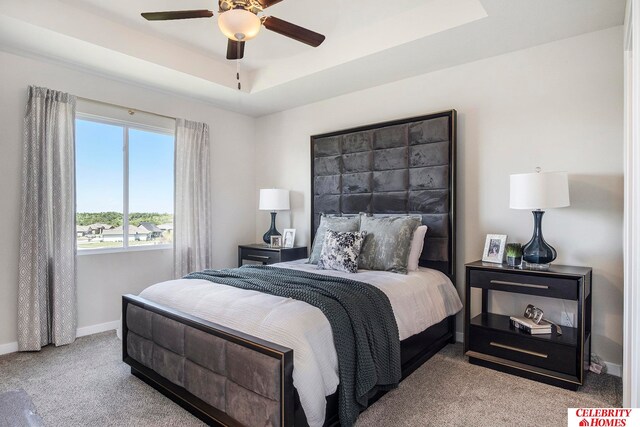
226	377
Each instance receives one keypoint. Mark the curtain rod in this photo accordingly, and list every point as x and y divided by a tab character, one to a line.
123	107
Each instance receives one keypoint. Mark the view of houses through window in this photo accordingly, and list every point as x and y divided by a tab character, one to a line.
124	184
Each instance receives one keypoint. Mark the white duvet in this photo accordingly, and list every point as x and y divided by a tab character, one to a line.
419	299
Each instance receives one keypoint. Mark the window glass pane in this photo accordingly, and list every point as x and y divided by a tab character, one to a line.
99	185
150	188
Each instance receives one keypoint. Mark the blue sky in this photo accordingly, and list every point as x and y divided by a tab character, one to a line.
99	169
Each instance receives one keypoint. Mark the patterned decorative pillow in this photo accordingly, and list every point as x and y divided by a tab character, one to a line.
388	242
340	250
335	223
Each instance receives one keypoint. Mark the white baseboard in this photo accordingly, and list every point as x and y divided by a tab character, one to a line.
96	329
612	368
12	347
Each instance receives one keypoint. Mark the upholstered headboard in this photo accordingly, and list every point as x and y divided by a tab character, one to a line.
399	167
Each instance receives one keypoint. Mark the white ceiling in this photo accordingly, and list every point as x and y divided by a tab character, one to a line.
335	17
368	42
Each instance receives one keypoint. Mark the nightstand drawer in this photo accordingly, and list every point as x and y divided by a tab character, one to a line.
523	349
491	341
547	286
267	257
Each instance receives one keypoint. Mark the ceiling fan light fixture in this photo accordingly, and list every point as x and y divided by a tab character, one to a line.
239	24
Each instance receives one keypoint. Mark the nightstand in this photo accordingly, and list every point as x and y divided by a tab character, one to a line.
265	254
491	341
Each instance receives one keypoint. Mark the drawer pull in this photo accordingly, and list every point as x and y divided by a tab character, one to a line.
520	350
522	285
258	256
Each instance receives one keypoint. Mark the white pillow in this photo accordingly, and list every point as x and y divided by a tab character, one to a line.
417	243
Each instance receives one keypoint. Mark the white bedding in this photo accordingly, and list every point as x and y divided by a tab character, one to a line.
419	299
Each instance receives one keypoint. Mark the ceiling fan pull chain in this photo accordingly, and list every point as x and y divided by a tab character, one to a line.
238	74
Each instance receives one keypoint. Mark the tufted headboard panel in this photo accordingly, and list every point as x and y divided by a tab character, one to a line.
400	167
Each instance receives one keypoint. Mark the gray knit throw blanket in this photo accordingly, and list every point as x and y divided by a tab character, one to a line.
365	332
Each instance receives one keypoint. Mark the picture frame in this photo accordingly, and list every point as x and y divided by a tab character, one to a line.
494	248
288	237
276	241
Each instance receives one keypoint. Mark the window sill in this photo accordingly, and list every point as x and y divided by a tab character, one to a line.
83	252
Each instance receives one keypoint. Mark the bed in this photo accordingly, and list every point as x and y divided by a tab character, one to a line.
213	350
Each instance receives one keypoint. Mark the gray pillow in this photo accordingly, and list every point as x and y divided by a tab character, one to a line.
388	242
340	250
335	223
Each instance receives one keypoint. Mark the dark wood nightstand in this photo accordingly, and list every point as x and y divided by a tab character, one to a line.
265	254
491	341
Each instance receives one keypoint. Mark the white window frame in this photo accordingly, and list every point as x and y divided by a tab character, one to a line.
126	125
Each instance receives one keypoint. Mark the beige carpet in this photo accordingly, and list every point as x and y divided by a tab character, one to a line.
449	391
86	384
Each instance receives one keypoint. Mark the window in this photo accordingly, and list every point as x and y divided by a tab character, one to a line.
124	184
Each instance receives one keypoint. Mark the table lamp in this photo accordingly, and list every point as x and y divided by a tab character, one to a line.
273	199
538	191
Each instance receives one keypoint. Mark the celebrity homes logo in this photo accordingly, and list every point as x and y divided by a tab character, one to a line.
603	417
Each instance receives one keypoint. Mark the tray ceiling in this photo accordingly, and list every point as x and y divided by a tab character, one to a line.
368	42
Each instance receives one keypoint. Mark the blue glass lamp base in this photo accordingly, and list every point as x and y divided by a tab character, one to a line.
272	231
538	254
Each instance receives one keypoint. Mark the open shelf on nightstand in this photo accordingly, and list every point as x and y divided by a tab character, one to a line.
491	341
500	322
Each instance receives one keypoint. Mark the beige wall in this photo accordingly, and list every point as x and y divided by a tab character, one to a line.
558	106
102	279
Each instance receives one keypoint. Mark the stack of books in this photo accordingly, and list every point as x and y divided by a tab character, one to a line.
529	326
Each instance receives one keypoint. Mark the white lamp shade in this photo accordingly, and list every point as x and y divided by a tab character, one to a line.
274	199
239	24
540	190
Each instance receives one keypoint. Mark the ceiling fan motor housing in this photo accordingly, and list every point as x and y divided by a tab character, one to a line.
252	6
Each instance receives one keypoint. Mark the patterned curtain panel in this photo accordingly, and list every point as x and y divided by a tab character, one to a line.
47	311
192	239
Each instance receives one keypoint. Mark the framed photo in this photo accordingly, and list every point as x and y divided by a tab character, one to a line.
276	241
494	248
288	237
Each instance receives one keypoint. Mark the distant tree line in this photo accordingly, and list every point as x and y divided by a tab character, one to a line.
114	219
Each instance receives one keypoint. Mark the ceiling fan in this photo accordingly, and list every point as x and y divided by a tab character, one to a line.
239	21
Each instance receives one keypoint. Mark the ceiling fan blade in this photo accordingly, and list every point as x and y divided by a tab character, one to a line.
235	50
177	14
268	3
293	31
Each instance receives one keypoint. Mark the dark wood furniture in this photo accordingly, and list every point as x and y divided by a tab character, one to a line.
414	351
162	344
261	252
491	341
409	167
